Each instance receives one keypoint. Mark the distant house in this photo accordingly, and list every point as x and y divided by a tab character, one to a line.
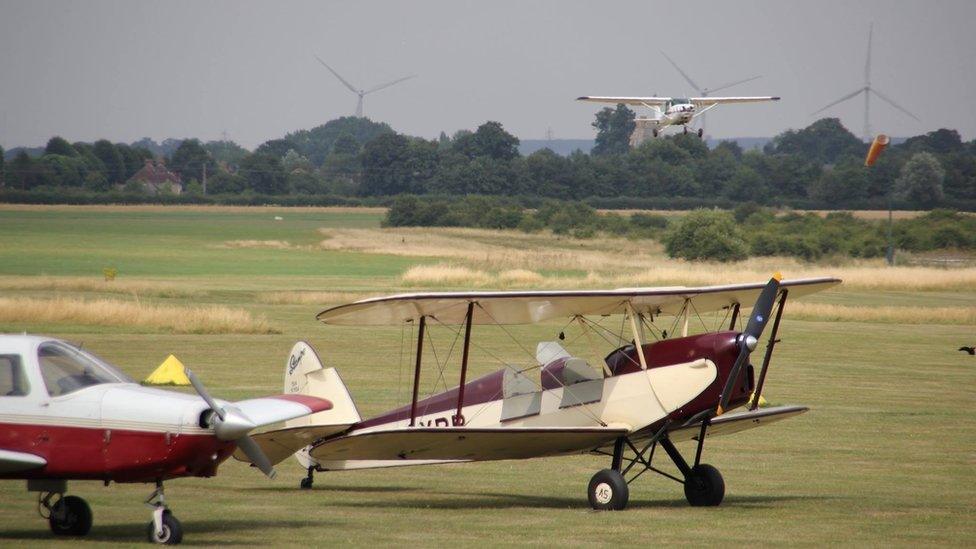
156	178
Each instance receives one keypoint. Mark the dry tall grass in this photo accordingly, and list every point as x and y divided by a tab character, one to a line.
901	315
273	244
310	298
210	319
153	288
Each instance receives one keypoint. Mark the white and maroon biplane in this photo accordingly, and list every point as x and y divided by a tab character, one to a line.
645	394
67	415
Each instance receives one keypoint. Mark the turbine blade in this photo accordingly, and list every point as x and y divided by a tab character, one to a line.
893	104
841	100
688	78
736	83
388	84
341	79
867	63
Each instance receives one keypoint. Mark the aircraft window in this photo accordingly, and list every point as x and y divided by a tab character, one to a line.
13	382
66	369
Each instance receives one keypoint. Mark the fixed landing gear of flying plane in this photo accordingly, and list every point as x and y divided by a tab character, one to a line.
306	483
609	489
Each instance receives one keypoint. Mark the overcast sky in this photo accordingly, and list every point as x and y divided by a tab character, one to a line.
127	69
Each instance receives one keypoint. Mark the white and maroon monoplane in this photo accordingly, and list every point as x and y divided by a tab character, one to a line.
67	415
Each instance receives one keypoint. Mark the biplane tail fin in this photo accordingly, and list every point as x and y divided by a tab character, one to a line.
305	375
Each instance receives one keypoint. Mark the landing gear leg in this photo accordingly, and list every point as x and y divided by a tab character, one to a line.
654	132
608	490
686	130
67	515
701	132
704	486
307	481
164	528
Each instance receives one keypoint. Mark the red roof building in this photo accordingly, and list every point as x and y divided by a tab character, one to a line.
156	178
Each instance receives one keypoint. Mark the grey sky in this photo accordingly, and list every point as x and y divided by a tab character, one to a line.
128	69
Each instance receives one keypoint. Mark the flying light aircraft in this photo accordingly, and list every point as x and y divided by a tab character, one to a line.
67	415
644	395
670	111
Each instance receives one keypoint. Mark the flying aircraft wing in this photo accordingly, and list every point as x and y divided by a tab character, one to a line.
702	101
735	422
638	101
527	307
462	443
15	462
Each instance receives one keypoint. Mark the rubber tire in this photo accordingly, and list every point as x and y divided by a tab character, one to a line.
77	520
306	484
172	530
611	480
704	487
701	131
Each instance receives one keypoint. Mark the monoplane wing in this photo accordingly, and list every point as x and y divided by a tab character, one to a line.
15	462
702	101
527	307
463	443
735	422
637	101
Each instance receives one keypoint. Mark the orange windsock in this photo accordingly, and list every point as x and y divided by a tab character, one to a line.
878	145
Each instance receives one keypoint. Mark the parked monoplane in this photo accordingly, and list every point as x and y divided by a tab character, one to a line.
643	396
67	415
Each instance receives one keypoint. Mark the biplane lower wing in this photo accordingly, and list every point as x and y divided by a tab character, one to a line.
735	422
467	444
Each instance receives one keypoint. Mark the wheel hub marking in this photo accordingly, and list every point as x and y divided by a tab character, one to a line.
603	493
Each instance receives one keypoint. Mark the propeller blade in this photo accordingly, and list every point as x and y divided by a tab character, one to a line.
749	338
893	104
388	84
730	84
841	100
257	456
341	79
688	78
202	391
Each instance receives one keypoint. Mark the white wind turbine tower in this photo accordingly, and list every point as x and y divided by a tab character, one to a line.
361	93
867	90
703	92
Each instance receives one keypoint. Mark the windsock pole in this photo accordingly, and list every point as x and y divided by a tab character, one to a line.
877	146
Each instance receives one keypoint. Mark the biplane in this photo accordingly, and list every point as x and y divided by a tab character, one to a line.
652	389
67	415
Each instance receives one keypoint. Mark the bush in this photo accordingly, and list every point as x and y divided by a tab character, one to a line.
705	234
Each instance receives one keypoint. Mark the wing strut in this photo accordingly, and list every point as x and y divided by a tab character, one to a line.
458	418
416	371
769	350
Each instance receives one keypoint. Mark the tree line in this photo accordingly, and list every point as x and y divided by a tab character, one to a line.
355	159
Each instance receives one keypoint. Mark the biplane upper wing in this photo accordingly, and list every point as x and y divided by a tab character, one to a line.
637	101
735	422
704	101
526	307
463	443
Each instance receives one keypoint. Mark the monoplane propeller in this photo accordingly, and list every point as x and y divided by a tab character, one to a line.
750	337
231	424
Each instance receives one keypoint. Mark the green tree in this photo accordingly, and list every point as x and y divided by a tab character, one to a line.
2	167
226	183
66	171
112	159
59	145
386	165
921	180
705	234
134	158
491	140
846	182
96	181
228	152
613	129
346	144
825	142
189	159
264	174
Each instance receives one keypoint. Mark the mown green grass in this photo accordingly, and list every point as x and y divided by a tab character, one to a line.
886	455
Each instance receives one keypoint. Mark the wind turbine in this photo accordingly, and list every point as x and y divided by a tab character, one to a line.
867	90
362	92
705	91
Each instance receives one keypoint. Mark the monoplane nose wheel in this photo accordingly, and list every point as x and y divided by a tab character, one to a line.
70	516
704	486
608	491
170	531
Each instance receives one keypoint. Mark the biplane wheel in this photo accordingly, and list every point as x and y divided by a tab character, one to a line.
306	483
608	491
701	131
704	486
172	530
70	516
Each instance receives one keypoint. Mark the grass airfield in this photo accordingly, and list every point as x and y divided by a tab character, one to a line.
887	454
